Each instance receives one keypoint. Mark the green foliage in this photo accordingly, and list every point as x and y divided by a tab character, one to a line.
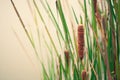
102	40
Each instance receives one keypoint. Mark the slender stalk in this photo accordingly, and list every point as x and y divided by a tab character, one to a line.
27	33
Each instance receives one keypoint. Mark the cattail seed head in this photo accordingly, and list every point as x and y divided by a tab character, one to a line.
80	41
66	52
95	5
57	4
84	75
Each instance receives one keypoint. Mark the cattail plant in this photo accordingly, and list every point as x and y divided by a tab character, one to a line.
80	41
67	58
99	58
95	5
84	75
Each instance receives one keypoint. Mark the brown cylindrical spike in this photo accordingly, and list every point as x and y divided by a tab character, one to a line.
95	5
66	52
84	75
80	41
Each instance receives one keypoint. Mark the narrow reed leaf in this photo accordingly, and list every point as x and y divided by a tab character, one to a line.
94	75
99	67
75	16
62	69
93	17
76	75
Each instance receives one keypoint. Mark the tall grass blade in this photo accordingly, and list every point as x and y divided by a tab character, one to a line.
27	33
46	28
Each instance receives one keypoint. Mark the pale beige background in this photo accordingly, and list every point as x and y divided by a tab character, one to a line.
15	62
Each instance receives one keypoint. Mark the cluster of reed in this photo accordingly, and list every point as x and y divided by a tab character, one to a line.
95	53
